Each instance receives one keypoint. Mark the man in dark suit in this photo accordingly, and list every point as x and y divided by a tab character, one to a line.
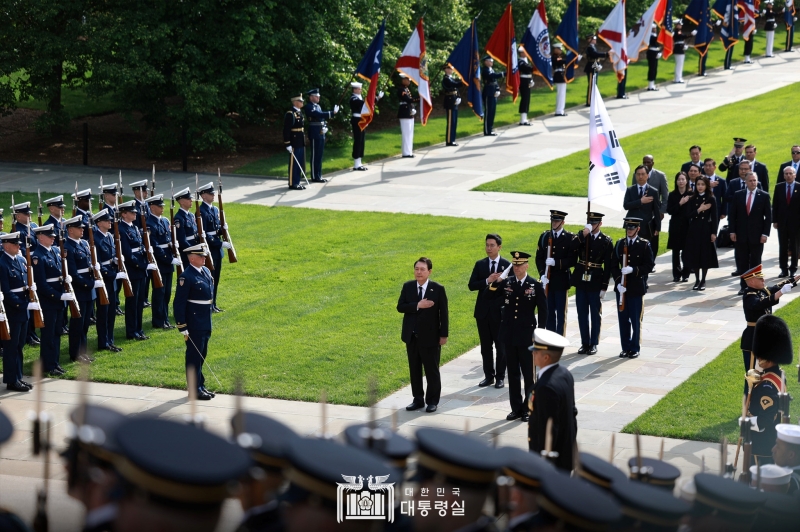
729	164
641	201
757	167
523	297
487	311
423	304
786	219
695	153
749	223
553	397
794	163
719	186
592	67
658	180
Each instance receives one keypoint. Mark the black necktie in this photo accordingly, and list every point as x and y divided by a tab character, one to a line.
420	293
641	192
491	268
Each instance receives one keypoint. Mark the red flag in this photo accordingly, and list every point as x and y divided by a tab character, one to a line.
502	47
664	19
413	62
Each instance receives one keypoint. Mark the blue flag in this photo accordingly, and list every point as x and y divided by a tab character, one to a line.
369	69
536	43
726	10
567	33
698	12
788	14
465	60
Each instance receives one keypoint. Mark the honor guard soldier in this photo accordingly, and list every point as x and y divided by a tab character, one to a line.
559	78
525	86
176	476
212	225
653	55
590	279
769	26
192	311
724	504
772	346
655	472
491	91
599	472
109	191
632	263
356	106
24	225
56	206
14	287
317	129
79	267
786	453
523	299
137	266
268	442
552	398
555	255
527	469
450	88
569	503
139	196
106	257
648	508
406	113
384	443
83	204
679	50
294	139
730	163
593	66
47	273
160	239
185	224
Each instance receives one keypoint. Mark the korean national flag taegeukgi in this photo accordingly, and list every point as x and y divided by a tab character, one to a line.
536	42
369	69
413	62
502	47
612	31
466	61
608	167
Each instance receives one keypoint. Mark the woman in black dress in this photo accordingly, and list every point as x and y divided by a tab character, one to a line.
700	252
678	209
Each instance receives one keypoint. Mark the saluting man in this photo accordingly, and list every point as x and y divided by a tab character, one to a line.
450	86
79	266
192	311
554	270
405	113
638	263
106	257
212	226
491	91
294	139
590	279
185	224
160	239
47	269
317	129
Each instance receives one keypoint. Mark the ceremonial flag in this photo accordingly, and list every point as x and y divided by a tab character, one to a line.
536	42
465	60
369	69
699	13
612	31
665	36
413	62
502	47
726	10
567	33
747	12
639	34
608	167
788	14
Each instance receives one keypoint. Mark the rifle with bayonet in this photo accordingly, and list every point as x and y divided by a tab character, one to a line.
126	283
201	234
33	297
226	236
174	240
39	193
151	258
74	308
102	295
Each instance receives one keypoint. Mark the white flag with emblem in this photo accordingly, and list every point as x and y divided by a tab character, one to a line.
608	167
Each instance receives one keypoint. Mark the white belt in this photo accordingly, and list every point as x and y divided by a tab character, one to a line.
163	246
191	237
525	76
356	115
107	262
19	289
211	233
196	302
84	270
133	250
655	49
53	279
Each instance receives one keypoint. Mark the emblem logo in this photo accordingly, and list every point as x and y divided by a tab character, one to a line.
354	502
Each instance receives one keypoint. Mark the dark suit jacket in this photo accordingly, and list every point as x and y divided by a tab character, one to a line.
730	166
780	179
554	398
688	164
650	213
485	307
429	324
786	216
757	223
734	186
763	176
719	192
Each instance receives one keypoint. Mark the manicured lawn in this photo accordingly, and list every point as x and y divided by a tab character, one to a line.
386	142
706	406
754	119
310	305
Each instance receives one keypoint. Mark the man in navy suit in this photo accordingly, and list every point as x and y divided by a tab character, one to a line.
757	167
794	163
786	219
423	304
487	311
749	223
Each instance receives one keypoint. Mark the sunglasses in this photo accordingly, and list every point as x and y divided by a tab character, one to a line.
796	153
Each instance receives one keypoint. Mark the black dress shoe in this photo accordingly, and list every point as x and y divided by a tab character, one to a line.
54	373
740	292
452	144
26	383
146	304
408	156
144	337
114	348
118	311
560	114
623	354
167	327
492	134
702	285
17	387
203	396
684	279
593	350
623	97
216	310
525	417
633	354
320	180
32	342
414	406
59	368
486	382
583	350
431	408
209	392
64	330
735	274
296	187
696	285
360	169
499	384
513	415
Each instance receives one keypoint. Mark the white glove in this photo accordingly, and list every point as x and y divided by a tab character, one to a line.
794	19
99	284
380	95
33	306
2	318
588	227
458	101
2	297
176	262
580	56
68	279
335	109
33	287
225	226
151	267
324	130
694	32
719	23
530	85
96	266
754	423
785	289
626	270
550	262
226	245
602	294
496	94
185	333
621	289
289	149
67	296
413	112
658	55
754	32
122	275
545	281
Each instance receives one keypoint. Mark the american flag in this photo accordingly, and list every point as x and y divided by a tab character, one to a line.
747	14
664	19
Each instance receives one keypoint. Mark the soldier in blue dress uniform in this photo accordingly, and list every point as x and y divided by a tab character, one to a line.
557	282
212	225
136	263
109	191
83	208
639	264
24	225
47	273
590	279
79	267
192	311
294	139
106	256
185	224
56	206
160	239
139	189
450	88
491	90
14	287
317	129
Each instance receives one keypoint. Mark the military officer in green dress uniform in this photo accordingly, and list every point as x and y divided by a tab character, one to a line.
450	86
294	139
555	256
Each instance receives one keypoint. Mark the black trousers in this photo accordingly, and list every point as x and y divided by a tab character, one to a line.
678	268
12	348
489	333
216	258
426	357
519	360
748	46
134	308
106	315
621	86
788	248
78	328
747	256
524	95
652	68
489	109
728	58
654	243
161	297
590	81
317	149
50	346
297	166
701	69
452	124
358	139
197	353
789	38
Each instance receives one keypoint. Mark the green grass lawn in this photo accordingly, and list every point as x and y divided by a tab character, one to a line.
310	305
707	405
713	130
386	142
